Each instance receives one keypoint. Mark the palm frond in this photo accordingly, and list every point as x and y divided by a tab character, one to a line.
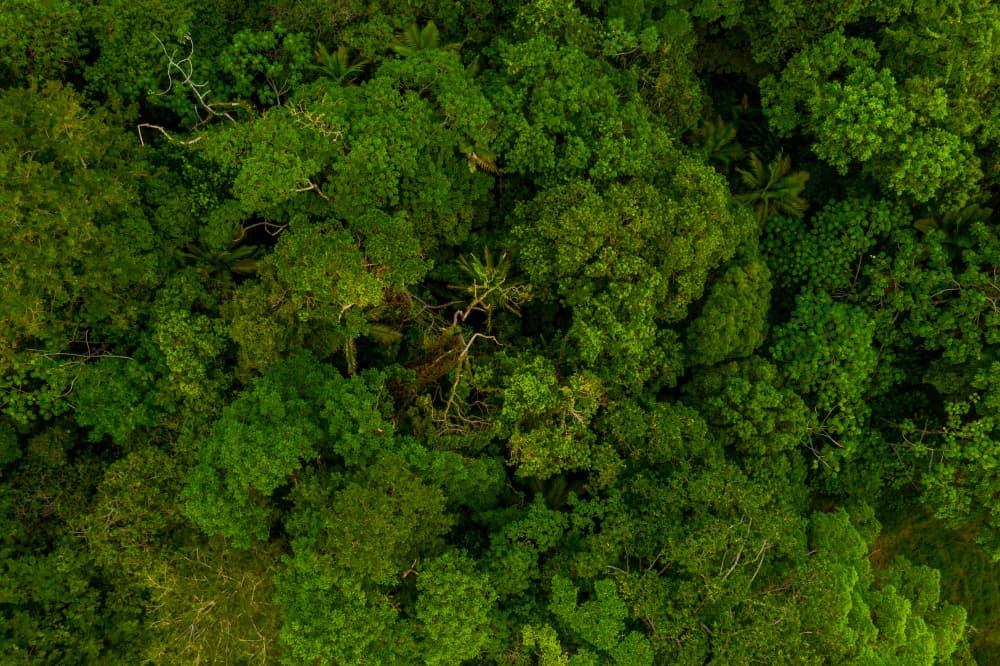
775	188
491	289
384	334
718	141
482	161
338	66
414	39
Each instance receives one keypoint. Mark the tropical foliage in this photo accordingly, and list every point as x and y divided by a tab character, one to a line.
552	333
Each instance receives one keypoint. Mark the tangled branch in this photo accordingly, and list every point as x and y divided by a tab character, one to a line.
184	68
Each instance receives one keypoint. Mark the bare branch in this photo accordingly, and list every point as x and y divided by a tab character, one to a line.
314	188
269	227
166	134
184	70
760	560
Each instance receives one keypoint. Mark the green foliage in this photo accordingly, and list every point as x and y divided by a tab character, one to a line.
78	243
951	47
861	113
329	619
453	607
749	408
190	345
968	442
718	529
338	66
326	272
128	63
545	641
135	514
499	332
854	620
114	398
53	612
354	545
658	47
379	157
382	521
54	605
627	259
967	577
933	163
718	141
10	449
204	602
564	115
415	38
787	99
548	421
41	40
490	290
830	250
36	387
599	622
295	412
776	30
826	353
562	21
77	239
517	548
857	117
258	442
269	65
733	319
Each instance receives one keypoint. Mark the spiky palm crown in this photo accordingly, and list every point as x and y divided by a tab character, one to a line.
775	188
491	287
415	39
338	65
242	259
718	140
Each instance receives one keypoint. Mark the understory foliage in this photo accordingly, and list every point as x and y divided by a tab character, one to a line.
488	332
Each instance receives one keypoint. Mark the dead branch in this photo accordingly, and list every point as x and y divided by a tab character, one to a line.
184	69
270	228
166	134
313	187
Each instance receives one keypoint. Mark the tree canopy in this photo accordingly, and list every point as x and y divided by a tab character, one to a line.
538	333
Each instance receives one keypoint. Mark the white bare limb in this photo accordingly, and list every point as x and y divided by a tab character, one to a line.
183	69
166	134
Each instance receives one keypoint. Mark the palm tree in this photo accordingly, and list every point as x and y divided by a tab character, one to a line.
219	266
774	189
718	140
413	39
338	66
955	224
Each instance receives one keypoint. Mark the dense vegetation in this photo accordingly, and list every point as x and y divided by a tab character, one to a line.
500	332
